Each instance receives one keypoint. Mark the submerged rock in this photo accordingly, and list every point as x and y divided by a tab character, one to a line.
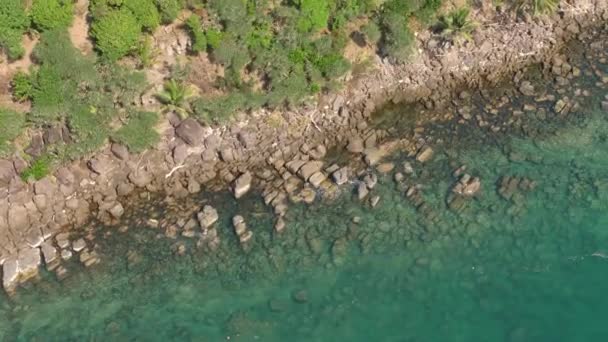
467	186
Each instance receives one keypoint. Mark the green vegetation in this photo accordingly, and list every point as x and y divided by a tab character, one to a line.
38	169
176	96
169	9
457	23
52	14
543	6
13	23
11	125
138	133
116	34
199	40
372	32
22	86
88	97
145	11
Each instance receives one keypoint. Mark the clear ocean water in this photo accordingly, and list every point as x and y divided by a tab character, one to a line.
533	267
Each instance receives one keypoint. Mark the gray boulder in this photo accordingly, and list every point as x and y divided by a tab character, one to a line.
190	131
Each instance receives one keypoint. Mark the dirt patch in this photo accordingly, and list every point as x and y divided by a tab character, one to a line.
7	70
79	31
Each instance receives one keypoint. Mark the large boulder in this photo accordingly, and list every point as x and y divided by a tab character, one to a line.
309	169
7	172
242	185
10	274
190	131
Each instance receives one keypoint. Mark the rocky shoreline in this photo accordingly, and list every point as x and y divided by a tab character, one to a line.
269	151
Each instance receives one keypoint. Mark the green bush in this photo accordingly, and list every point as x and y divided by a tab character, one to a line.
138	133
22	86
372	32
314	15
457	23
39	169
214	38
169	9
398	39
11	125
145	11
116	34
13	22
199	40
52	14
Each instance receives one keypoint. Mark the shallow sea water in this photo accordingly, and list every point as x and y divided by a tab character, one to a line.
531	268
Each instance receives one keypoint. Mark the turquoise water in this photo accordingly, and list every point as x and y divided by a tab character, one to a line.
533	267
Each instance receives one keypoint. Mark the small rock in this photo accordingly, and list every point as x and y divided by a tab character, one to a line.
399	177
300	296
279	226
66	254
120	151
385	167
317	178
49	253
318	152
79	245
425	154
408	168
117	210
370	180
341	176
362	191
207	217
374	201
245	237
355	145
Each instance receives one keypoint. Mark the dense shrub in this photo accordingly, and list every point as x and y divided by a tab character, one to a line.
11	125
52	14
199	40
169	9
116	34
214	38
314	15
372	32
145	11
138	133
398	39
13	22
22	87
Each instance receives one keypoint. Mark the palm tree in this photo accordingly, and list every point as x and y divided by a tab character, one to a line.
176	96
457	22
